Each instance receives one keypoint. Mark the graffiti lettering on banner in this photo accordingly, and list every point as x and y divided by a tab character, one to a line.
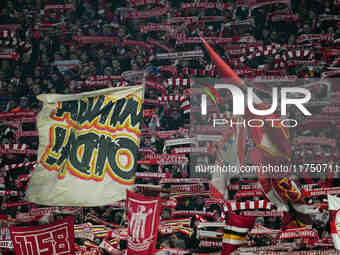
90	139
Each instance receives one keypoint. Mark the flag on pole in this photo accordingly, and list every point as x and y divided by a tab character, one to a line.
143	221
272	143
263	137
88	144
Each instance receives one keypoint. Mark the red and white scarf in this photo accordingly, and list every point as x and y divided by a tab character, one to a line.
11	193
294	233
216	40
199	72
284	17
151	175
248	193
317	140
206	5
248	205
315	37
136	3
20	114
58	7
156	12
330	74
297	54
177	82
160	45
16	149
263	213
180	55
184	101
266	52
157	27
194	188
9	55
14	166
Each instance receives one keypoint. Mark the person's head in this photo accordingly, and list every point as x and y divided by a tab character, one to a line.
92	67
134	65
291	39
2	75
173	239
199	200
84	57
121	32
36	89
140	60
29	81
101	53
166	213
103	61
37	72
306	28
63	50
23	102
57	56
164	244
115	64
73	56
108	71
117	218
330	30
54	77
44	59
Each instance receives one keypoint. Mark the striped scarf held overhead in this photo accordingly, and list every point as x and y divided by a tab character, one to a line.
177	83
252	49
298	54
184	101
14	166
265	51
8	38
199	72
248	205
235	232
16	149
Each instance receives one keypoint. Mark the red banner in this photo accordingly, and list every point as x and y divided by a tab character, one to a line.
143	221
52	239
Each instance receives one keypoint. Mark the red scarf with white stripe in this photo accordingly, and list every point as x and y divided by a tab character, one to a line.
184	101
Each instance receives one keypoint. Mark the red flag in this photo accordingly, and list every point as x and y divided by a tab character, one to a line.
272	140
263	137
51	239
143	221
